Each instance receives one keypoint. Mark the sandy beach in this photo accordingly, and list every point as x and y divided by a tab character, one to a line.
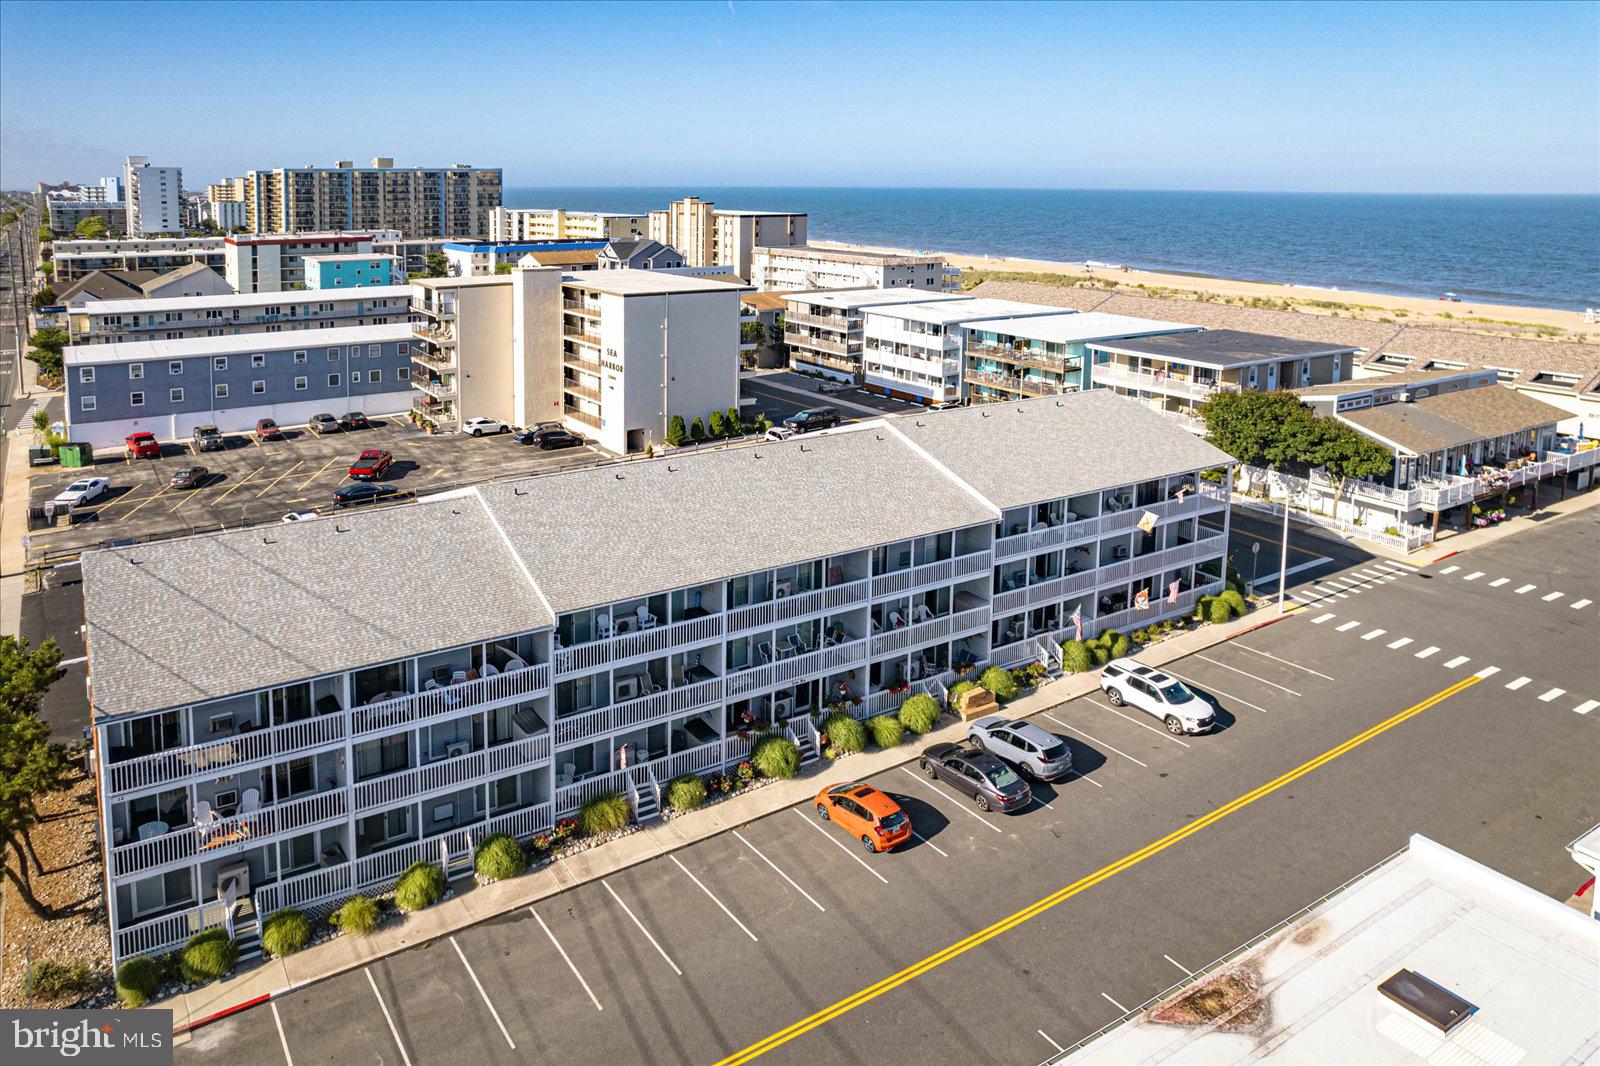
1308	298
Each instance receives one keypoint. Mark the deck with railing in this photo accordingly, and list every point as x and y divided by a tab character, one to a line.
226	835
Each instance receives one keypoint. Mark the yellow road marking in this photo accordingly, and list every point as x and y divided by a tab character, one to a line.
241	484
314	477
279	478
1033	910
157	495
188	495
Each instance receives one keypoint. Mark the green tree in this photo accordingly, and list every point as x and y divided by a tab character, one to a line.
45	297
752	333
1248	425
45	349
675	430
435	265
697	430
30	765
503	268
92	228
777	333
735	427
719	425
45	235
7	217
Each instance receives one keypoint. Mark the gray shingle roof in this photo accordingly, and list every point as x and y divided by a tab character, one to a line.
186	620
180	621
1224	347
1455	418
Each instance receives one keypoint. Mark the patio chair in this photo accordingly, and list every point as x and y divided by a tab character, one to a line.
800	644
835	575
203	815
646	619
566	774
515	663
602	625
786	649
764	650
877	627
490	670
249	801
921	613
896	620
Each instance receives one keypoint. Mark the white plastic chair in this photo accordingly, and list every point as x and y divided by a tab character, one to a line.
921	613
490	669
896	620
515	663
646	619
203	814
458	677
602	625
566	774
249	800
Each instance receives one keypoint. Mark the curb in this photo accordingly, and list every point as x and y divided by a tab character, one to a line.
1443	557
183	1031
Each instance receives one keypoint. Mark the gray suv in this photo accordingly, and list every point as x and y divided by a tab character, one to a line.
1035	751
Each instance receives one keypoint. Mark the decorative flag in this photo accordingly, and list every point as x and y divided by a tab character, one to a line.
1141	600
1077	620
1179	494
1172	592
1147	521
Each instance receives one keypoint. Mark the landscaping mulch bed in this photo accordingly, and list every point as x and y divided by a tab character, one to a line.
74	884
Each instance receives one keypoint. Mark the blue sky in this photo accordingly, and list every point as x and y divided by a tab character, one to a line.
1426	97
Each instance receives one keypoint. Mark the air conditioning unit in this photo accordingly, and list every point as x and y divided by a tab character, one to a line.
235	877
1119	552
459	747
783	707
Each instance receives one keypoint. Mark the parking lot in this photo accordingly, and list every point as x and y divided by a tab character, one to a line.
706	950
781	394
251	482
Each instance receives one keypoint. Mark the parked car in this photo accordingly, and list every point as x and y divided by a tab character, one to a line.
208	439
865	813
1034	751
974	772
549	439
82	491
371	465
1130	683
354	420
299	516
811	420
477	427
267	429
363	492
143	446
947	405
320	424
778	433
190	477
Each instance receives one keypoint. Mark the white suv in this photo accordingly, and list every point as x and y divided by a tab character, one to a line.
477	427
1130	683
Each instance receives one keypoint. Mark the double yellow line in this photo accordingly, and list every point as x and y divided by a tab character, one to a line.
1033	910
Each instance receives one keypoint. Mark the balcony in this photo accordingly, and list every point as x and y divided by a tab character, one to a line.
629	714
438	360
590	420
435	334
581	337
449	700
580	308
820	344
568	385
453	772
797	668
227	835
840	323
650	642
214	757
933	629
936	573
1024	357
1159	382
1024	386
437	389
768	614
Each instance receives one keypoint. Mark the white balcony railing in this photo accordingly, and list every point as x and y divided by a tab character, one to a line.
214	757
228	834
932	630
657	641
1165	384
447	773
941	572
666	703
788	608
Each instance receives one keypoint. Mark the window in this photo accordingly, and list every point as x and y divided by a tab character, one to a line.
374	350
333	355
175	368
258	387
333	381
299	384
258	360
402	373
374	376
222	392
135	371
86	375
219	363
300	356
87	403
175	395
135	399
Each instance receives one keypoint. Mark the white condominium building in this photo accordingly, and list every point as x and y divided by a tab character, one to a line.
612	354
154	197
75	259
272	262
509	225
917	351
823	330
709	236
115	321
595	631
810	267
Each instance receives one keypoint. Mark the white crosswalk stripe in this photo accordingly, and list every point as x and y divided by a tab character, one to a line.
1518	683
1554	596
1457	661
1552	694
1347	625
1475	575
1488	672
1525	589
1450	569
1425	652
1586	706
1396	645
1317	621
1374	635
1497	582
1578	605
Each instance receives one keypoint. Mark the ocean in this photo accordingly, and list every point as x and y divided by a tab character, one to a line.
1541	251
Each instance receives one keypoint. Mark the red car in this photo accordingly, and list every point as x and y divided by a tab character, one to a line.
143	446
372	465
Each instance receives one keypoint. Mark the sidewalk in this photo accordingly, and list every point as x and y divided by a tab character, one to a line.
14	507
474	903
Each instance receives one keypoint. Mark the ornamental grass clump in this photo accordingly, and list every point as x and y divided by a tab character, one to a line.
1000	681
606	813
207	956
422	885
886	731
138	980
286	932
920	713
499	857
845	735
357	916
775	756
685	792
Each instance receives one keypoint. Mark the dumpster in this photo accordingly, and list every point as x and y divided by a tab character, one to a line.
41	456
76	453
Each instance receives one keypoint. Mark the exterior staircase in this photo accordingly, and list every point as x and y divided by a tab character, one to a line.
644	795
804	734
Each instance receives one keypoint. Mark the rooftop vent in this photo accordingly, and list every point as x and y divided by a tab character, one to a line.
1438	1006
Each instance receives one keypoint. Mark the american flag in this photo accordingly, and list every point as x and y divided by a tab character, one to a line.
1077	621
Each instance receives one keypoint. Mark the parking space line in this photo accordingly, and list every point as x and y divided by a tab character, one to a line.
279	478
1102	743
242	483
314	477
1162	733
779	872
1074	774
1115	1004
1373	634
1552	694
830	838
1052	1043
1286	662
629	912
936	847
1518	683
387	1016
959	806
1346	627
592	997
1497	582
1457	661
282	1040
479	985
1179	965
1246	673
713	899
1396	645
1428	651
156	496
1218	691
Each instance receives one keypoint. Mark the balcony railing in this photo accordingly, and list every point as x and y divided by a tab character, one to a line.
568	385
590	420
1015	384
657	641
580	308
685	699
438	360
797	339
446	773
841	323
796	668
1163	383
435	334
591	339
1044	592
935	629
450	700
437	389
936	573
816	601
228	834
217	756
1037	360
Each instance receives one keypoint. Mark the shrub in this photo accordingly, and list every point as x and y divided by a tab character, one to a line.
1219	611
357	916
207	956
697	430
48	979
718	424
1099	653
138	980
675	430
887	732
606	813
1202	609
763	423
959	687
286	932
920	713
1120	646
1000	681
422	885
844	733
735	425
775	756
685	792
1075	657
1235	600
499	857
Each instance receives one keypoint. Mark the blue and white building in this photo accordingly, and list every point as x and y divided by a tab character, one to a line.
352	270
111	321
168	387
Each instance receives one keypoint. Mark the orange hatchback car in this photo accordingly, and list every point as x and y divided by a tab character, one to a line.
867	814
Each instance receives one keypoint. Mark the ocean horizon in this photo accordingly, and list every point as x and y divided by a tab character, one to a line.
1528	250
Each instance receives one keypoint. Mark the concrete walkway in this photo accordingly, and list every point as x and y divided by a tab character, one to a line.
474	903
14	504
